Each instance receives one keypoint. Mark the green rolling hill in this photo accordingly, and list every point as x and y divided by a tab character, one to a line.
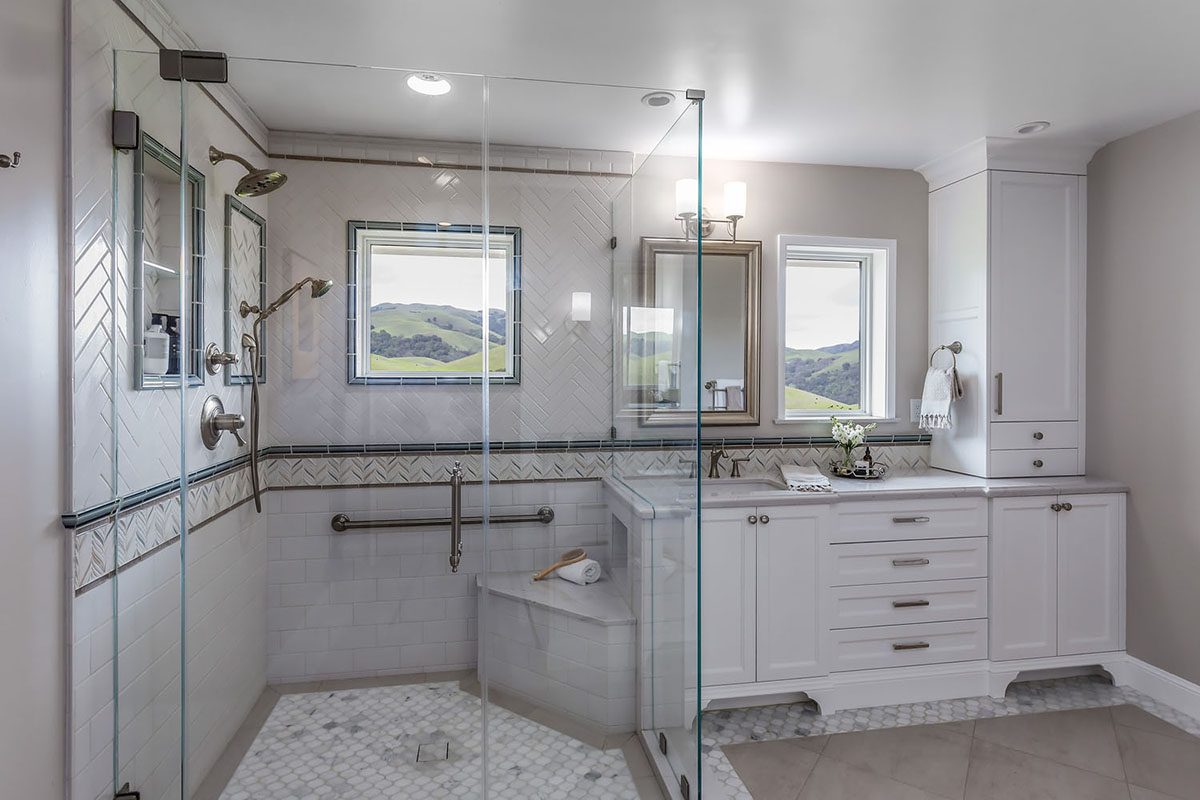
824	378
417	337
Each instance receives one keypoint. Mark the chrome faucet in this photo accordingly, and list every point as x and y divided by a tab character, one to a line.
714	461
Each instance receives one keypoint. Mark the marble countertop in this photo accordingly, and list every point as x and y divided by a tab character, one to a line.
654	495
600	602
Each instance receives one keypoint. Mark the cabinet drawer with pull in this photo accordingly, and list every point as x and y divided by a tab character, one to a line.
910	519
908	645
1034	435
1034	463
899	562
903	603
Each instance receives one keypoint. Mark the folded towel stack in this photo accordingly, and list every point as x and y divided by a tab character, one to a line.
805	479
942	387
581	572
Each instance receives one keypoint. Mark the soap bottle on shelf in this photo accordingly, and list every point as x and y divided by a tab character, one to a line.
157	350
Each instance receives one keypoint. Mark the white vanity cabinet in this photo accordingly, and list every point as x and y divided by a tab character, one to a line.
760	591
1057	576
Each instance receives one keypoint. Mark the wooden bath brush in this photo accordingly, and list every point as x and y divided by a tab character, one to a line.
569	557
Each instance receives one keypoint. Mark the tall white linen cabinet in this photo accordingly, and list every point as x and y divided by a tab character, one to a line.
1007	272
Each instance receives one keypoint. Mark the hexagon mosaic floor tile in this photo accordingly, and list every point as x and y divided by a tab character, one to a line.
362	744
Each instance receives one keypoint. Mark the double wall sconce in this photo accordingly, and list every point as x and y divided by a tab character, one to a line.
702	226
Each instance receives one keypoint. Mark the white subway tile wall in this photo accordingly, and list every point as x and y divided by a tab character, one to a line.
226	664
375	602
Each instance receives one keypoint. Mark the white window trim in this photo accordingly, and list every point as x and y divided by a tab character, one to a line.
883	401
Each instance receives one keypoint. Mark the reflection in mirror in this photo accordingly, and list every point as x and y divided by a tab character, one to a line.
245	280
660	376
159	344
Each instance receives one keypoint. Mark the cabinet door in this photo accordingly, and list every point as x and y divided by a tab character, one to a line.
1035	277
727	596
789	593
1024	577
1091	547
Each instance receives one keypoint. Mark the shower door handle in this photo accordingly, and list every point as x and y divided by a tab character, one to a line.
456	478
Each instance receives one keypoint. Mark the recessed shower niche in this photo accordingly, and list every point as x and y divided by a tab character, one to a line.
168	227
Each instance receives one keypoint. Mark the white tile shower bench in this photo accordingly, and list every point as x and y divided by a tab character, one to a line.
562	647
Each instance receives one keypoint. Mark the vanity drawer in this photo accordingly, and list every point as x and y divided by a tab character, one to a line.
889	520
1025	463
905	561
904	603
908	645
1034	435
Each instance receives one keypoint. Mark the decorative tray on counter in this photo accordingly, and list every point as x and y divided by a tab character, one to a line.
876	472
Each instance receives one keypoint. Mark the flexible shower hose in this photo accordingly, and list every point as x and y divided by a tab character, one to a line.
253	348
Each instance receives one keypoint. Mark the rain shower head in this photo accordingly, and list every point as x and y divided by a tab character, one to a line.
256	182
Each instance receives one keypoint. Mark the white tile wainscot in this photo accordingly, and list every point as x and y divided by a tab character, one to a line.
379	602
564	647
898	611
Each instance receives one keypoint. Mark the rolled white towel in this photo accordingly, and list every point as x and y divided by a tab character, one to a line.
581	572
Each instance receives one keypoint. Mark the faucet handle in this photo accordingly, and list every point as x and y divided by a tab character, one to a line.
737	463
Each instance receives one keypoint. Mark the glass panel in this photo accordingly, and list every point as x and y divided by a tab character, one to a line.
156	267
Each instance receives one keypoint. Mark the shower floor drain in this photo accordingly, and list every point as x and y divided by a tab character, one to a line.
434	751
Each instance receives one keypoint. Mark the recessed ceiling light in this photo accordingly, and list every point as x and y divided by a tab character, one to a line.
428	83
1036	126
658	99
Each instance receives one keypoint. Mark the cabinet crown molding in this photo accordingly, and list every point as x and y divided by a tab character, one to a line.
1002	153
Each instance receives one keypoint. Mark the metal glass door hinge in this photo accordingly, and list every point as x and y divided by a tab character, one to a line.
125	793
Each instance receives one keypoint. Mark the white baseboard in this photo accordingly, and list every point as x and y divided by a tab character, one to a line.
1172	690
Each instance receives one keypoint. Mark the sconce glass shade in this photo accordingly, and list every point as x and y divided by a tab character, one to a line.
686	190
581	306
735	199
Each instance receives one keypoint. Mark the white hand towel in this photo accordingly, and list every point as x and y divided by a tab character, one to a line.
581	572
804	479
942	388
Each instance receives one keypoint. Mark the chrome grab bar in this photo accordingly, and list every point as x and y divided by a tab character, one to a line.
545	515
456	476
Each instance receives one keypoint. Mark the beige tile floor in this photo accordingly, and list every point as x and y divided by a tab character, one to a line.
1117	753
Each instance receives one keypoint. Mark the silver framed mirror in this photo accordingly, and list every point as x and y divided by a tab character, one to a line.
161	350
660	377
245	280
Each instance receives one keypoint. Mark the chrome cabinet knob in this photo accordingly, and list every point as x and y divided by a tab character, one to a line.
764	519
753	520
1067	506
1037	462
1056	507
1038	435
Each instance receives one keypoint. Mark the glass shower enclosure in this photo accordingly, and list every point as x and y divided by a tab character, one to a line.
431	311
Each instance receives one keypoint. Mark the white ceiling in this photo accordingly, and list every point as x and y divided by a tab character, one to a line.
869	82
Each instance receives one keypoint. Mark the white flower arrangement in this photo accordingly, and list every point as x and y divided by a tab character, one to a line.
848	436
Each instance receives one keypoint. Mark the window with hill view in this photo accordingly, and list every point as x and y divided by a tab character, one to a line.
836	342
420	313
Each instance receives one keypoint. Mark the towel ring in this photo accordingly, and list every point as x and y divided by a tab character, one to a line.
954	347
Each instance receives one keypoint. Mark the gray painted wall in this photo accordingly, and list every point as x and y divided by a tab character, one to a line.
1143	285
31	573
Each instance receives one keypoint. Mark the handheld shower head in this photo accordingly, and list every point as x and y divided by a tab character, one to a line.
320	286
256	182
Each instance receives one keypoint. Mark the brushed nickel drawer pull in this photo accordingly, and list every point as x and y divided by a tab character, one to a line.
910	520
911	646
909	603
999	394
910	562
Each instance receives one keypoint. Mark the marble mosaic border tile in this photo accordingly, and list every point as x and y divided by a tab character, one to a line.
143	525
